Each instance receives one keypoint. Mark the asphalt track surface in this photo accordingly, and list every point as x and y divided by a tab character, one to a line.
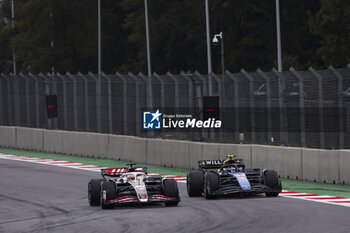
43	198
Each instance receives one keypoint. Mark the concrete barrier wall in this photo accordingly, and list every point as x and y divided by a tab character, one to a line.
116	147
344	166
30	138
245	152
8	136
292	163
310	164
275	159
330	166
170	153
154	152
259	156
196	152
53	141
85	144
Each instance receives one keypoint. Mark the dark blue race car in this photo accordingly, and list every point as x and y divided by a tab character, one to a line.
224	177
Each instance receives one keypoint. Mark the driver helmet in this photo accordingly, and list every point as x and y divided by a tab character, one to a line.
131	169
229	160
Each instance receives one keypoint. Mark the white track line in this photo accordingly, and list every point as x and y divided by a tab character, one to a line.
62	163
342	201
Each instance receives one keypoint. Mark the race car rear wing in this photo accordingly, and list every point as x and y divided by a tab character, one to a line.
210	164
215	164
119	171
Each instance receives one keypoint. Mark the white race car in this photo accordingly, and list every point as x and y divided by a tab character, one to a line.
131	185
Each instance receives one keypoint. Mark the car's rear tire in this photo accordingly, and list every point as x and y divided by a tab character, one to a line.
272	181
211	183
94	191
195	182
111	193
171	190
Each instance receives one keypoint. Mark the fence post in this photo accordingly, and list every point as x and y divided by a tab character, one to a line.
200	106
219	81
176	82
301	105
204	83
177	97
98	100
268	104
162	90
1	101
109	93
16	99
47	92
75	105
162	93
283	119
64	100
190	97
221	100
50	121
9	99
37	112
137	104
203	91
320	104
27	99
86	97
190	89
54	92
340	105
148	82
235	103
125	104
251	103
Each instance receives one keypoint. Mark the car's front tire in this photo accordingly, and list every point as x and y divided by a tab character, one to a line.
110	189
171	190
272	181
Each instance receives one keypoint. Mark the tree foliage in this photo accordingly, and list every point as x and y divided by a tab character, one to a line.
62	35
332	26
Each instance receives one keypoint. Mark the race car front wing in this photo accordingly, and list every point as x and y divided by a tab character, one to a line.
134	199
234	189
